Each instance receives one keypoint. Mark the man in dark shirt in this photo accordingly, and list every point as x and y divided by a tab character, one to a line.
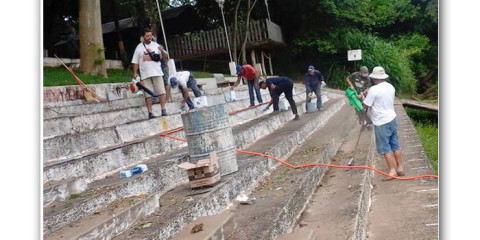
313	78
277	86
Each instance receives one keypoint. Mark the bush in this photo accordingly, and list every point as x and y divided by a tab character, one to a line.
377	52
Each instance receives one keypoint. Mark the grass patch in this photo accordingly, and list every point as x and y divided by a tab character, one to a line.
428	134
75	195
59	76
426	124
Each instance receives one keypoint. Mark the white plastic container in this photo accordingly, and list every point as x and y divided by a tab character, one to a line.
200	102
283	105
230	96
311	106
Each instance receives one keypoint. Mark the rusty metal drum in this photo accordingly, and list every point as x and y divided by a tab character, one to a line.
207	129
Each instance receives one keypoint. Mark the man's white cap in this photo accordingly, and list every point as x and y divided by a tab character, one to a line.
378	73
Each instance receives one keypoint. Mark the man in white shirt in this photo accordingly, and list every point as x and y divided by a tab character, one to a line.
380	100
185	80
150	70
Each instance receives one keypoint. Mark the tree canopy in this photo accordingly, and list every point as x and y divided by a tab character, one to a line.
400	35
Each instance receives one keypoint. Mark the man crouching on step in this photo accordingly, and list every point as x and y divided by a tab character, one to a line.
277	86
185	80
380	100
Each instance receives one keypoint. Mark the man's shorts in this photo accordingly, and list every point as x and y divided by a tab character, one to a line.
386	137
165	75
155	84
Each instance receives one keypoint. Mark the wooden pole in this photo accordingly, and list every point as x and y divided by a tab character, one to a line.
270	63
263	64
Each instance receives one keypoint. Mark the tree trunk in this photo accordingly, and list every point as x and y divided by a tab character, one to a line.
247	31
150	10
92	51
235	32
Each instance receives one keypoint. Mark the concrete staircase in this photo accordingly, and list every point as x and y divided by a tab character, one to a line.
84	149
86	145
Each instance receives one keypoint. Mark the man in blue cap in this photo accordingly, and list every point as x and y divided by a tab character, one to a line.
277	86
252	76
313	79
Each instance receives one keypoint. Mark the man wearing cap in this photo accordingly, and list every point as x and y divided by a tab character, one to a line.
277	86
379	100
252	76
313	78
360	81
185	80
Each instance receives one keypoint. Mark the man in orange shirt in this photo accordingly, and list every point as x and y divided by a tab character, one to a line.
252	76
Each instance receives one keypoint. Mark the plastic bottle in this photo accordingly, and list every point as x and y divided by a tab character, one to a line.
140	168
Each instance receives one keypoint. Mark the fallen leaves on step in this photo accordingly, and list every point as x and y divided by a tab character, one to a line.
147	225
197	228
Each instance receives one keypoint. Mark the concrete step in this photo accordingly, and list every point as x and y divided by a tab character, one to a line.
182	205
163	176
96	162
119	112
283	195
414	203
300	234
73	145
215	227
52	111
339	206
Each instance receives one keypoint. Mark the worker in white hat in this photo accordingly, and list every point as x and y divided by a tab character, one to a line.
379	101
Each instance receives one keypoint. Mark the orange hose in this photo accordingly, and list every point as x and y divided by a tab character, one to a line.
173	130
177	138
317	164
165	134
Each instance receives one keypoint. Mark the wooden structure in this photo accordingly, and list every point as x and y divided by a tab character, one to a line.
263	34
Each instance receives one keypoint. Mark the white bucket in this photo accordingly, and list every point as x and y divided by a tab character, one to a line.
311	106
283	105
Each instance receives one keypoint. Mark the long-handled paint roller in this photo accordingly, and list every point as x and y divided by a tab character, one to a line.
351	160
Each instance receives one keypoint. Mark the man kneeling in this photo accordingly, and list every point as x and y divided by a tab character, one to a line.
185	80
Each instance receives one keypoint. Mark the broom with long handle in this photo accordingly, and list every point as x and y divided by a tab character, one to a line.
89	94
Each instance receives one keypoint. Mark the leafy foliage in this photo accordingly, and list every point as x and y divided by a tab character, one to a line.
399	35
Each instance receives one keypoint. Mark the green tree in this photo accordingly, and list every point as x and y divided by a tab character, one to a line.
399	34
